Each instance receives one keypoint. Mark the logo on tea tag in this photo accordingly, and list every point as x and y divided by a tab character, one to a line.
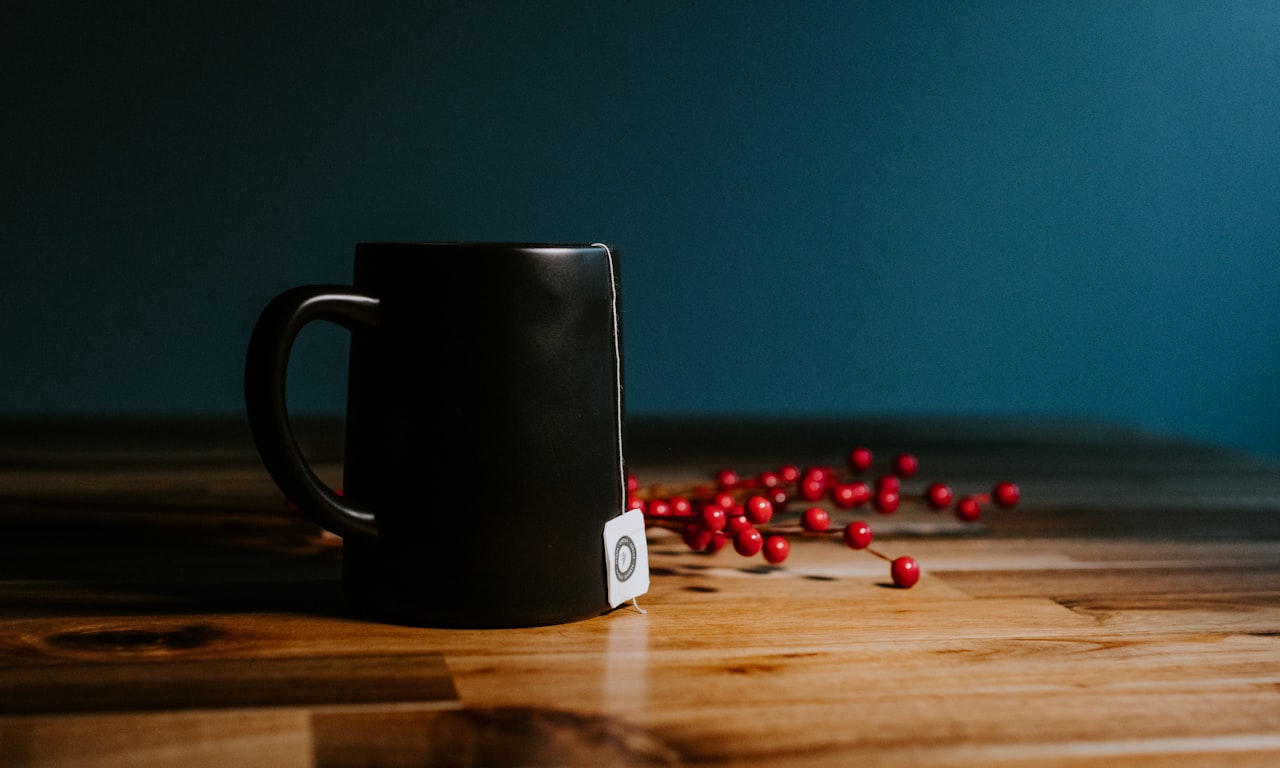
626	557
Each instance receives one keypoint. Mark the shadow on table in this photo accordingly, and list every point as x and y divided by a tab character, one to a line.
69	557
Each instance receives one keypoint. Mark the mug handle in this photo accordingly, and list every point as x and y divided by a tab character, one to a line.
265	369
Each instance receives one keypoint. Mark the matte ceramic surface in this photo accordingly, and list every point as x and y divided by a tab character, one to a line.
484	428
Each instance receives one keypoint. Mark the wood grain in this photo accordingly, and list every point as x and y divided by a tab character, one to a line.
314	682
192	739
161	605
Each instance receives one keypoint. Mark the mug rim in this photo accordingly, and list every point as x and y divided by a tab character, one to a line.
479	244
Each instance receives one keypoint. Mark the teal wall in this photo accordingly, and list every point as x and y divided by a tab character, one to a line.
1020	207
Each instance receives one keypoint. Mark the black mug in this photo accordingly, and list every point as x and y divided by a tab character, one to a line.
483	453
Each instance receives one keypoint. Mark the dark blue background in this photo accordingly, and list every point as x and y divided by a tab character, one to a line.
1016	207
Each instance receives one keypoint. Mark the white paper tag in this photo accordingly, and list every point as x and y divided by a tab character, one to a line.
626	558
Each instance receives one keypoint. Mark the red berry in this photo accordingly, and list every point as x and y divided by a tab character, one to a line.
696	537
889	482
713	518
850	495
717	543
635	502
968	509
776	549
857	535
769	479
905	572
632	483
681	506
860	459
825	474
736	523
758	510
726	500
659	508
748	541
779	498
726	478
816	519
886	501
906	465
1006	494
812	488
789	473
939	495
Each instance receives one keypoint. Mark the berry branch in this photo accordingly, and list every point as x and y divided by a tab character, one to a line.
741	510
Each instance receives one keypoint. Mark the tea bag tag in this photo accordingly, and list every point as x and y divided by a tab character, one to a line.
626	557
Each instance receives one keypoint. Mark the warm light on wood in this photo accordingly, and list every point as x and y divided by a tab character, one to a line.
161	605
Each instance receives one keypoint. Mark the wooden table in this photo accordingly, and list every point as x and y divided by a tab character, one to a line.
161	605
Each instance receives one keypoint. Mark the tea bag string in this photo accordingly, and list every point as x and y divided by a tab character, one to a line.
617	368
